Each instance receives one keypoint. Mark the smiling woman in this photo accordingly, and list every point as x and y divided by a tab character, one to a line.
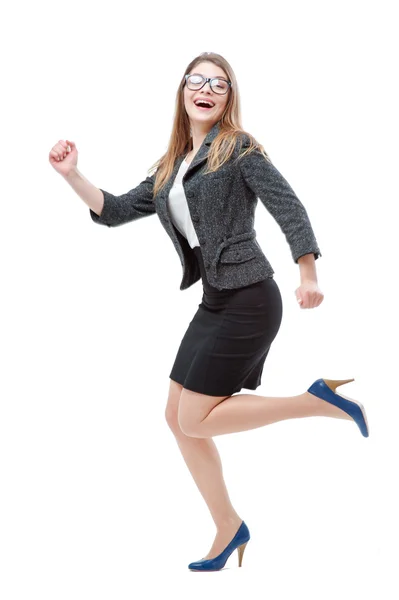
205	191
197	92
207	95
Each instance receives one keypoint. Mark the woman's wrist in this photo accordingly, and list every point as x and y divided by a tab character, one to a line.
307	268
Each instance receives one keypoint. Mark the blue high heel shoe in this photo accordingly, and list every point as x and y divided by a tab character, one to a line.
325	389
239	541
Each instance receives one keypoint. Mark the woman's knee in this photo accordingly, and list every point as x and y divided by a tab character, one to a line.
172	406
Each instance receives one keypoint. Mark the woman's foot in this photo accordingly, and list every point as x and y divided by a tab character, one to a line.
225	533
323	408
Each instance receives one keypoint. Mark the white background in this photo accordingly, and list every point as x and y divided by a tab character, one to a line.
96	501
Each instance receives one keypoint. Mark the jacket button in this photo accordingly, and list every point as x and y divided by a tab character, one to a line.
206	263
195	218
202	240
190	194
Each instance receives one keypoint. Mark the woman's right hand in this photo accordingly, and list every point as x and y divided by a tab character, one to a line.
63	157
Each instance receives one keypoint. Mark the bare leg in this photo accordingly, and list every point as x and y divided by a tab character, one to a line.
202	457
206	416
203	461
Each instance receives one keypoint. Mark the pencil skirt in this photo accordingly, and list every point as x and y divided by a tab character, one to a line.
229	337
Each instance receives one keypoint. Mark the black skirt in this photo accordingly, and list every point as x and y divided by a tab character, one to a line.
226	343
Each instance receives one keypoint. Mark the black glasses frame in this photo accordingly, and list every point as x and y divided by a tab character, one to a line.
210	79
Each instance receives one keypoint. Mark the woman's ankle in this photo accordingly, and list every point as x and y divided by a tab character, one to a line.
228	521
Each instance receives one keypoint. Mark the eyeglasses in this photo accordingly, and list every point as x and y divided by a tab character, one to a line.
219	85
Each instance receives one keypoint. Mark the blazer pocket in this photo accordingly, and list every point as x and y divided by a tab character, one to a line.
232	255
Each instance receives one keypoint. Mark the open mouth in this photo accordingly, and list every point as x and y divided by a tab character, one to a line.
203	105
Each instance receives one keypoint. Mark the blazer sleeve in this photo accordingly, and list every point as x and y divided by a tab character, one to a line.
133	205
282	203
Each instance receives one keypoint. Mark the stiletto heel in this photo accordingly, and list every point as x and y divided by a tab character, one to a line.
239	541
334	383
240	551
325	389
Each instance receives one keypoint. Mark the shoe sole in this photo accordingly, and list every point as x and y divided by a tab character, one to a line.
361	408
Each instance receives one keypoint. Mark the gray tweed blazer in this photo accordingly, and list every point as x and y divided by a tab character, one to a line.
222	208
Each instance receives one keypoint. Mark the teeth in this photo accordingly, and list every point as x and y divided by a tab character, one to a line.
204	102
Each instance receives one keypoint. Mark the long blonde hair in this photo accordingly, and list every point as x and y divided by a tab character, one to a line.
222	146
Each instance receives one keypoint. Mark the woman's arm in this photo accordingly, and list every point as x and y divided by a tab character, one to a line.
108	209
89	193
307	268
282	203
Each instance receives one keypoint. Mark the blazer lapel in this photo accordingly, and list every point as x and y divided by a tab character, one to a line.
203	151
161	199
198	159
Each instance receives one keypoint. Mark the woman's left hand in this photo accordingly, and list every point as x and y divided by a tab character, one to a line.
309	295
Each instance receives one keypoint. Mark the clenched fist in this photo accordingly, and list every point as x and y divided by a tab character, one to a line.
64	157
309	295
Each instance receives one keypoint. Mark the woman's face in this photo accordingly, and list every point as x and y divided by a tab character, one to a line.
205	115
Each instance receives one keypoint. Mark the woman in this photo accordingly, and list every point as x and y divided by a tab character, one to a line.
204	192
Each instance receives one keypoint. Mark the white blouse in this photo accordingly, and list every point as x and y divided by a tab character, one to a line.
178	208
